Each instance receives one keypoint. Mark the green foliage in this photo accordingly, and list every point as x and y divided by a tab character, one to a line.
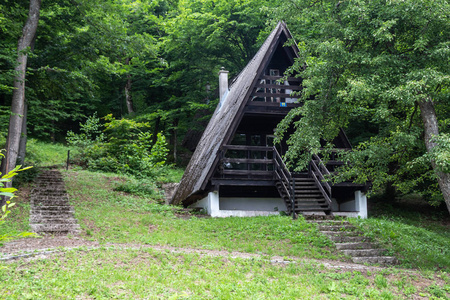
366	65
6	208
143	187
124	146
441	153
417	239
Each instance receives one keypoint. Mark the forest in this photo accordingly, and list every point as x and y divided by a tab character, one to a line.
133	83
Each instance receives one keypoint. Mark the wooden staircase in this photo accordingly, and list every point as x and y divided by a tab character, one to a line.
303	193
307	197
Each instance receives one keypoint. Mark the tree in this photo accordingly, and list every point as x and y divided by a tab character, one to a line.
18	98
383	63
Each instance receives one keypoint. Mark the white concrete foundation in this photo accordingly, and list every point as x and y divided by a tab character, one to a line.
249	207
239	207
361	204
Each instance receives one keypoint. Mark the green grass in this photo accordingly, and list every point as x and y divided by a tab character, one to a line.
150	274
46	154
418	240
111	216
17	220
108	213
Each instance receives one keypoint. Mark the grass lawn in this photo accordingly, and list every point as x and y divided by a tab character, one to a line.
149	274
108	213
111	216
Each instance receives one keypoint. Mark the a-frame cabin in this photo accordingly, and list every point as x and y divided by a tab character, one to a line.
236	170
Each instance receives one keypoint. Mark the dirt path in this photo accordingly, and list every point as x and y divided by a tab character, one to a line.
45	247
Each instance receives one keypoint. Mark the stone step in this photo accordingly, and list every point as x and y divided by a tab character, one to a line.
50	202
48	190
51	209
49	178
53	214
52	220
347	239
55	227
337	228
335	233
330	222
382	260
58	185
311	217
364	252
354	246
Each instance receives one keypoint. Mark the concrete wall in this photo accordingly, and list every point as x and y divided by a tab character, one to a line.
248	207
239	207
354	207
261	204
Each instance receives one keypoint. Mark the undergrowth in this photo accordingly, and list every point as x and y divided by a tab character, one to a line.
418	239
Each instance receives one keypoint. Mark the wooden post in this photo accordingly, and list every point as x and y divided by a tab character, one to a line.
68	159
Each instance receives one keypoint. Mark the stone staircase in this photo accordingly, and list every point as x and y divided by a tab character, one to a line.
51	212
350	241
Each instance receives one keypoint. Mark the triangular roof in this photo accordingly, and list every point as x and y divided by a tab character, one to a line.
225	119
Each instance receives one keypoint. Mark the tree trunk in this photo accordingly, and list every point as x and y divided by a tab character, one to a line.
128	97
23	138
428	114
18	97
156	130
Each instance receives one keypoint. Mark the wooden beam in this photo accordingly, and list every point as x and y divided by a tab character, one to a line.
242	182
272	104
278	86
247	172
274	95
247	161
246	148
291	79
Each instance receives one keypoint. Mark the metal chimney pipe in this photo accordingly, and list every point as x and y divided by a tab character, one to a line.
223	83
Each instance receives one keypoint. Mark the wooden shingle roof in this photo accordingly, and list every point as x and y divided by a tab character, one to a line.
225	120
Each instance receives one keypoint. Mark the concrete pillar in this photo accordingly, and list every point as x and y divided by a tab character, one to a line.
223	83
361	204
213	204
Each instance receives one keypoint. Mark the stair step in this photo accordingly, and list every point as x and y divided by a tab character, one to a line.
53	214
52	220
382	260
347	239
354	246
42	208
311	217
330	222
54	227
336	233
308	200
336	227
304	191
300	210
364	252
49	202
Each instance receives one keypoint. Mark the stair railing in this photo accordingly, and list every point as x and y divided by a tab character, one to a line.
317	170
285	178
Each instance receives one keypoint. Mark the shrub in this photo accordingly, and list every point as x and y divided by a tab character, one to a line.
123	146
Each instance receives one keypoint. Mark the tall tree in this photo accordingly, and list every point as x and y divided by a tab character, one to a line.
377	62
18	98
